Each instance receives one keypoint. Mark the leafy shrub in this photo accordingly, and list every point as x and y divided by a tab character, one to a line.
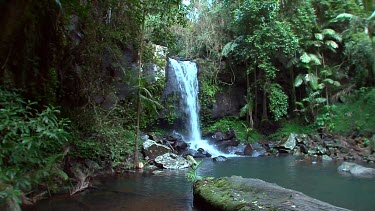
30	145
104	135
290	127
357	114
324	119
243	133
278	101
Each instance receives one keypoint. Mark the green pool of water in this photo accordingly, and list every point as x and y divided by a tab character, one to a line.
169	190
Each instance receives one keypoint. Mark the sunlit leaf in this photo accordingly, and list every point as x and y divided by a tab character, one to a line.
313	81
298	81
331	44
328	81
344	16
305	58
320	100
315	59
319	36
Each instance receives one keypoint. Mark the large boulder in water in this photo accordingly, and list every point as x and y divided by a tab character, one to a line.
220	136
237	193
225	142
151	149
200	153
176	141
171	161
255	149
289	143
356	170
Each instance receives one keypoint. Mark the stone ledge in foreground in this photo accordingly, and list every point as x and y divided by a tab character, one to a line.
237	193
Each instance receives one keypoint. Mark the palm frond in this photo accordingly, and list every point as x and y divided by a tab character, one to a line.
229	48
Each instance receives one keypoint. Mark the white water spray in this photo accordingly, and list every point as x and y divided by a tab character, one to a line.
186	75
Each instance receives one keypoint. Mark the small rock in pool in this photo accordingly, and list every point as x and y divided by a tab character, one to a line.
219	158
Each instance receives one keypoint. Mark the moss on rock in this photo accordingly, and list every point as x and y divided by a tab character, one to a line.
237	193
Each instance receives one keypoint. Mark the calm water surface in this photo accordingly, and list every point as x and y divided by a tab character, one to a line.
170	191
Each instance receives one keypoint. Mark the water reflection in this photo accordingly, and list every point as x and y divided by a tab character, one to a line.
170	190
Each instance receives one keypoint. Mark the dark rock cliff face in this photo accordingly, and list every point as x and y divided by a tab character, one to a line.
171	85
228	102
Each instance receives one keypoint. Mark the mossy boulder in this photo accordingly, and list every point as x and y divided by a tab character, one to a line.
237	193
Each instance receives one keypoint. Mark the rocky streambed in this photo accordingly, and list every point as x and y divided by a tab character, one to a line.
169	151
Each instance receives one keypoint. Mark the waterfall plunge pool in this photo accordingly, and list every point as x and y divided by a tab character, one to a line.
169	190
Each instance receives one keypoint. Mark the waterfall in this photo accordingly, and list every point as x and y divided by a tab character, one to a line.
186	76
187	81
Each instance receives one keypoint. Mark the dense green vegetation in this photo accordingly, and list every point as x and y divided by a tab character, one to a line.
298	66
30	148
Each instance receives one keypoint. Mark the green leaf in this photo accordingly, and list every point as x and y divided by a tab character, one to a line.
305	58
328	81
315	59
298	81
319	36
336	83
300	104
325	72
344	16
312	80
330	33
332	44
320	100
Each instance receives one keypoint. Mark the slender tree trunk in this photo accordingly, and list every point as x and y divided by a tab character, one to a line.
247	100
249	116
255	95
294	98
265	115
372	73
139	90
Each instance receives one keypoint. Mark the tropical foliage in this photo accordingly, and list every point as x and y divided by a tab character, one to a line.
296	66
32	144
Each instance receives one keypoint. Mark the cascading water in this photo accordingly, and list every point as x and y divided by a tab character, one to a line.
186	76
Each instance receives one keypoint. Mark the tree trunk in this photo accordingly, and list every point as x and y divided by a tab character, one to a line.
294	98
249	115
139	91
264	115
255	95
